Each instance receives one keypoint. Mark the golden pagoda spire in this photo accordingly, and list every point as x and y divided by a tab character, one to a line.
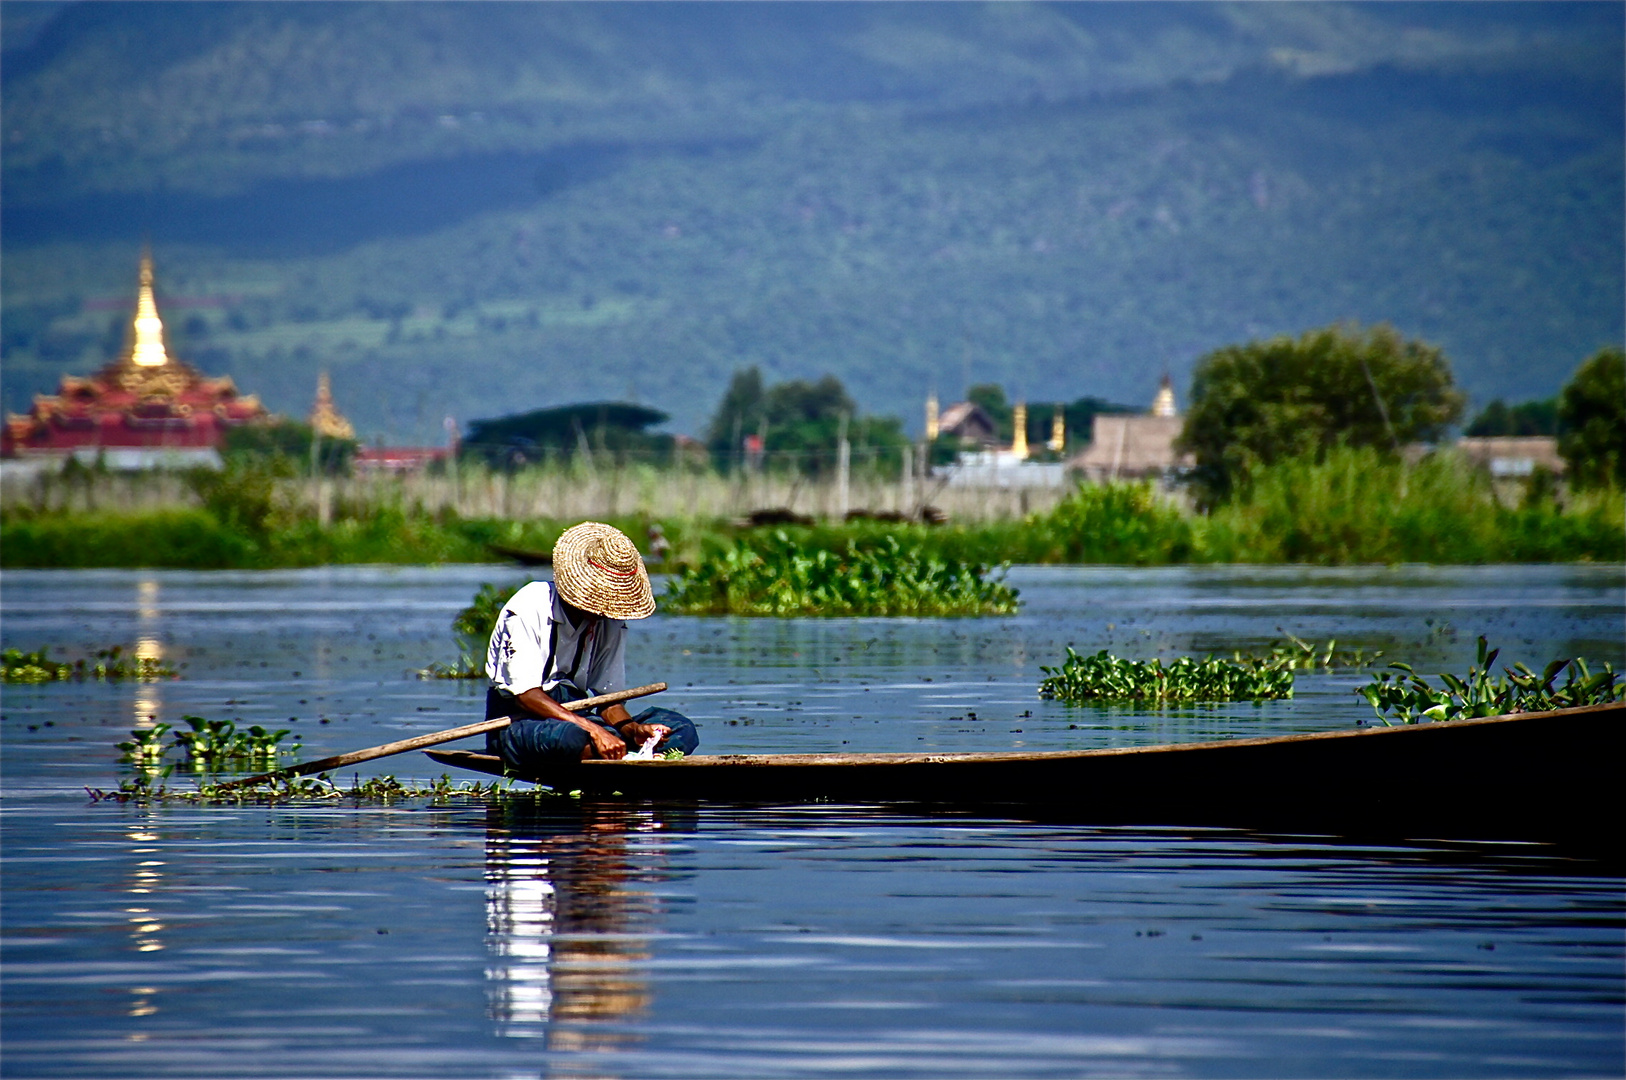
1058	430
326	420
148	350
1019	425
932	426
1163	404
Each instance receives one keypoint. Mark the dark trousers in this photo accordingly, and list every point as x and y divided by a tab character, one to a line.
534	745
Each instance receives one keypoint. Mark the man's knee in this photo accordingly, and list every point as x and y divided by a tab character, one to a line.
529	745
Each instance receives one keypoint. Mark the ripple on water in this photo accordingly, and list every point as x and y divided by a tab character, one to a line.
666	941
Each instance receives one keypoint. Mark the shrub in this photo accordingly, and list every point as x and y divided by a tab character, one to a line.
1359	505
1116	523
182	539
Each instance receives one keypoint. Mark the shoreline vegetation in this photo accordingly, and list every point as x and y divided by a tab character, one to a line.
1348	506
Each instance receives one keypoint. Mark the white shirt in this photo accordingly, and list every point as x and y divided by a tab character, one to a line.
534	644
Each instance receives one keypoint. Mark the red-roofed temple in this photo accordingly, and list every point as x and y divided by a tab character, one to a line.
144	409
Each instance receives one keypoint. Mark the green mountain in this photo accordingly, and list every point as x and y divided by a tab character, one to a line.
484	209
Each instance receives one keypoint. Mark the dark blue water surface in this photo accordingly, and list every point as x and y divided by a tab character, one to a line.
545	937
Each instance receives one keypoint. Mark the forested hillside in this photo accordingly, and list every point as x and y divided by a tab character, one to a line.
483	209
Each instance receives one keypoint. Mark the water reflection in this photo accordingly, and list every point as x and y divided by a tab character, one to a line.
148	700
567	925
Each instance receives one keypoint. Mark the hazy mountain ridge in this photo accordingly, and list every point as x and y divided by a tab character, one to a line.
1067	218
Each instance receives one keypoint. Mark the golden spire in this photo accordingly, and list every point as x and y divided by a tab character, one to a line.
1019	425
932	427
1163	404
148	350
1058	431
325	419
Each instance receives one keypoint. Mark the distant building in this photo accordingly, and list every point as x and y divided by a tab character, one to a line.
326	420
1130	447
1058	431
1513	455
1019	427
970	423
144	409
398	459
992	466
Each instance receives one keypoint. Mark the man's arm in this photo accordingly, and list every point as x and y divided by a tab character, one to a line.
601	743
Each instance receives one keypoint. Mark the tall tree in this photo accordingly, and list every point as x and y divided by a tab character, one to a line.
1265	401
740	412
800	422
1523	418
1592	421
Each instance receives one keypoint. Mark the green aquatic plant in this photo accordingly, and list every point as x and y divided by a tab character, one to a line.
776	575
146	746
1104	677
217	744
377	789
1411	699
1301	655
104	664
472	627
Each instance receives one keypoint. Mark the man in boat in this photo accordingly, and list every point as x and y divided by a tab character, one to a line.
566	639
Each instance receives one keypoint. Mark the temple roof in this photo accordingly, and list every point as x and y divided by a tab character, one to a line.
144	398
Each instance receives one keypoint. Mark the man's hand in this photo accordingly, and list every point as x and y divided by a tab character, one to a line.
605	744
637	734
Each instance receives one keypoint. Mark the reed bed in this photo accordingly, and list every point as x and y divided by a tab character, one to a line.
1350	506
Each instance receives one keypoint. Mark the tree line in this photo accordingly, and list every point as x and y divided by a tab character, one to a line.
1251	406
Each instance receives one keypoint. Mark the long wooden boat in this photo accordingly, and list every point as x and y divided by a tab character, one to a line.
521	556
1547	775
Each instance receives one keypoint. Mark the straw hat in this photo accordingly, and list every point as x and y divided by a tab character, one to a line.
596	568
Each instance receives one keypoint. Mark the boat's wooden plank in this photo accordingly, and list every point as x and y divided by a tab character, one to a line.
1532	774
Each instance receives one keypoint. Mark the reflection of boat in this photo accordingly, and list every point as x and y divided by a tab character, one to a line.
1548	775
521	556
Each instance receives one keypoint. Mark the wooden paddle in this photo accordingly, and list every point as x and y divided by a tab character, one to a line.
418	742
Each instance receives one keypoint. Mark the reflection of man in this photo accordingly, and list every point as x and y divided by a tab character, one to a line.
566	639
565	922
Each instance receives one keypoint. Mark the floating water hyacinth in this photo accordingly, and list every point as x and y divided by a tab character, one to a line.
775	575
472	627
377	789
217	744
111	663
1411	699
1104	677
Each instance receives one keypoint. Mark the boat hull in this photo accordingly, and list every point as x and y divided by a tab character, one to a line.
1537	775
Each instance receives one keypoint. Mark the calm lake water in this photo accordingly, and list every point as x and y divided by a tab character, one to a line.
543	937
